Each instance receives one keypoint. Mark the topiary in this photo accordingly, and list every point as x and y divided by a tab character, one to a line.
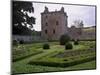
64	39
68	46
46	46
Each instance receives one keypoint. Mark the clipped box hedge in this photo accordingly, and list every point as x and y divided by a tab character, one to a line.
62	63
68	46
23	56
46	46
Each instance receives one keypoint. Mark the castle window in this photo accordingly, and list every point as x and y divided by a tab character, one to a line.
46	16
53	31
45	31
46	24
57	23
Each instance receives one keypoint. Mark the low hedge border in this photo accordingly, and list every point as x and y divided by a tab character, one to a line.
62	64
74	52
26	56
48	55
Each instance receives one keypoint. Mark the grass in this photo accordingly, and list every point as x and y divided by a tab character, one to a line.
87	65
22	66
23	51
64	61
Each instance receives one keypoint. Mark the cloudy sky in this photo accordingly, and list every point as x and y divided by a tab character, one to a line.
74	12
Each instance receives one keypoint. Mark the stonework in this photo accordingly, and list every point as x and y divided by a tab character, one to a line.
26	38
74	32
88	33
23	38
54	24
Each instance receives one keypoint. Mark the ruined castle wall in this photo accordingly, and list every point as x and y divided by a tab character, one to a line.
88	35
78	33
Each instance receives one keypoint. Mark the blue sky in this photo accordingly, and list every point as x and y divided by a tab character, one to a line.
74	12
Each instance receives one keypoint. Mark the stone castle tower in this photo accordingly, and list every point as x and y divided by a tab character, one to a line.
54	24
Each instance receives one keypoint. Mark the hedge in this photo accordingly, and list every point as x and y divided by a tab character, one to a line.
46	46
76	42
69	53
63	63
25	56
68	46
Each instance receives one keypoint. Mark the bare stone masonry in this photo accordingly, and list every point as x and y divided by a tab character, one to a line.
55	23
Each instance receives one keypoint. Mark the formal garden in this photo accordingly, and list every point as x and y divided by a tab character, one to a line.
53	56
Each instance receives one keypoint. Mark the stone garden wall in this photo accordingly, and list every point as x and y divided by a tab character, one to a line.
26	38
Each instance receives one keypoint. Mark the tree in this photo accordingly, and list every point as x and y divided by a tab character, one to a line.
78	23
20	17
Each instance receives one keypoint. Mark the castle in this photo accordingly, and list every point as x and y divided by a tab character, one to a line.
55	23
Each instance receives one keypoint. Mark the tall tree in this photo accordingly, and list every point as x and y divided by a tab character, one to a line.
20	17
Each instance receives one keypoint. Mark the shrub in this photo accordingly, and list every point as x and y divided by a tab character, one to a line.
15	42
76	42
46	46
21	41
64	39
68	46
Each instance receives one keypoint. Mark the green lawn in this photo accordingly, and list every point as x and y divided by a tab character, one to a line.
87	65
22	65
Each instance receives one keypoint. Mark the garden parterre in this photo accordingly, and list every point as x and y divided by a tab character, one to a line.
52	56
